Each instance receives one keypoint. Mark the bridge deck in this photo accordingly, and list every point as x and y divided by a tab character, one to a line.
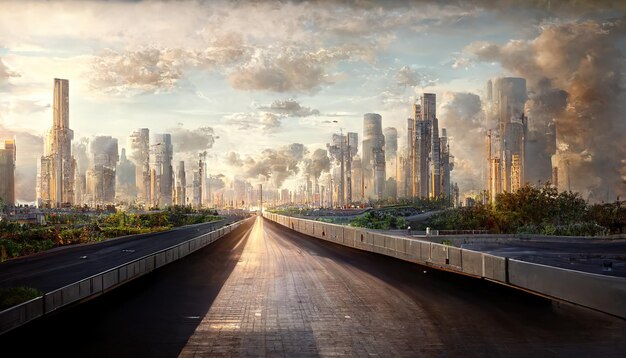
265	290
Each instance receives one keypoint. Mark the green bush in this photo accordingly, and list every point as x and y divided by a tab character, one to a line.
12	296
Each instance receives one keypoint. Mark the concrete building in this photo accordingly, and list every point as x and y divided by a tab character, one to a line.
373	157
162	175
57	166
342	149
8	156
101	177
428	159
391	162
139	144
180	197
507	125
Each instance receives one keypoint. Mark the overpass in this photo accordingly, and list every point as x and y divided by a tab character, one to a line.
265	289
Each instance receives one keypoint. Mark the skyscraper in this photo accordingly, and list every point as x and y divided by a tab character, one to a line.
508	125
428	159
57	170
161	155
373	160
391	162
7	172
181	185
139	144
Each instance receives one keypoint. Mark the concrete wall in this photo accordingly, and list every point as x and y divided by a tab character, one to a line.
107	280
603	293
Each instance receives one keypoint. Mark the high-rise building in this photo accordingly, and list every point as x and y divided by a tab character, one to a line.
161	155
7	172
373	157
181	185
101	177
139	144
428	157
197	185
447	164
57	167
342	149
391	162
507	125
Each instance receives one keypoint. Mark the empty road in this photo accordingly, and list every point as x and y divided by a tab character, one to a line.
265	290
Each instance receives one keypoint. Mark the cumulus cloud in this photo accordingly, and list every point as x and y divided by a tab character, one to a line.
192	140
292	69
291	108
156	69
275	165
317	163
411	77
233	158
575	73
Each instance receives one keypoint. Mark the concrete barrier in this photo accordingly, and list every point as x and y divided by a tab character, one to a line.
603	293
97	284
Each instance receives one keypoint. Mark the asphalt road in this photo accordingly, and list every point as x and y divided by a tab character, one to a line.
269	291
56	268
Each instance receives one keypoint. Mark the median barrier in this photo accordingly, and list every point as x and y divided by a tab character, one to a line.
349	235
455	257
439	254
603	293
494	268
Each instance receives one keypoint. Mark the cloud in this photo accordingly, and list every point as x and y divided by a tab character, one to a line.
317	163
291	68
275	165
156	69
291	108
192	140
266	121
411	77
233	158
5	74
575	74
461	113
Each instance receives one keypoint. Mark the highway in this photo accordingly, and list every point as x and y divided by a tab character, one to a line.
268	291
58	267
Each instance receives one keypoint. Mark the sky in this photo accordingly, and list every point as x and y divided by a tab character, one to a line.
243	80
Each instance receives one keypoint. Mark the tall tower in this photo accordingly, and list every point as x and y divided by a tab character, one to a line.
181	185
7	172
373	155
58	165
391	162
162	154
139	144
508	124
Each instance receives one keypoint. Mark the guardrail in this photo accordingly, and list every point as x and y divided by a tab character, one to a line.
107	280
602	293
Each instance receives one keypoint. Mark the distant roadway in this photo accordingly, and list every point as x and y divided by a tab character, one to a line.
268	291
58	267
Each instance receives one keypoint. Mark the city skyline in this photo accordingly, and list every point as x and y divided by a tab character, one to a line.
233	86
